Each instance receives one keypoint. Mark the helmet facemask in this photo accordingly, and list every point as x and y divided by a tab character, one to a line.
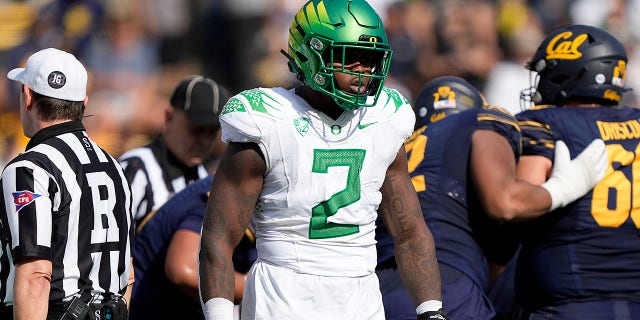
370	66
530	96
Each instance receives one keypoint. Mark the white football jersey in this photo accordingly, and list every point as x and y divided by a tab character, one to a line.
317	210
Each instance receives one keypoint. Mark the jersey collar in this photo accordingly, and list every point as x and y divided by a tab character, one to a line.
54	130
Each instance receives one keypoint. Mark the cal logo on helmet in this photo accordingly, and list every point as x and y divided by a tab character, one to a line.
437	116
564	47
611	95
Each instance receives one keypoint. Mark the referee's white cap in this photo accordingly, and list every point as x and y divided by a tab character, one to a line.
53	73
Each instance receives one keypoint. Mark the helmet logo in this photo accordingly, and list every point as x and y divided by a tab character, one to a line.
369	38
319	79
565	50
316	44
611	95
436	117
448	97
619	73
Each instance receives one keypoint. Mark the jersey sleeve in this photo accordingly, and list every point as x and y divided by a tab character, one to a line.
238	121
501	121
401	111
537	136
29	209
136	175
252	116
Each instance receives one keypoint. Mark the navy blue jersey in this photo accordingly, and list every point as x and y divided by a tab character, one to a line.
439	169
154	297
589	249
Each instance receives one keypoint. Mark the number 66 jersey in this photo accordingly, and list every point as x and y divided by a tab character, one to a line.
589	249
317	210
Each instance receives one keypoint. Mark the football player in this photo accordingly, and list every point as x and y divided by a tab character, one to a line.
462	162
582	261
165	258
315	165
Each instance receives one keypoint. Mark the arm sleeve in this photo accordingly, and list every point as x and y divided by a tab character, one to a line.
29	208
502	122
537	136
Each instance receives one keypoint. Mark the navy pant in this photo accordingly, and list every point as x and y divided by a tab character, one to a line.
596	310
395	298
461	297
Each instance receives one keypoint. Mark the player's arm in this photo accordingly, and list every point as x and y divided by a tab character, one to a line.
534	169
31	288
413	243
181	265
506	197
503	195
234	194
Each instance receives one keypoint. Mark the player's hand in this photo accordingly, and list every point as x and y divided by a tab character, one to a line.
433	315
571	179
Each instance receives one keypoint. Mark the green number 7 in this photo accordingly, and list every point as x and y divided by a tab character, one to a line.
319	228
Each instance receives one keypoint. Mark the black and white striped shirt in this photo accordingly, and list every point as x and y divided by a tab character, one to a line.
66	200
155	175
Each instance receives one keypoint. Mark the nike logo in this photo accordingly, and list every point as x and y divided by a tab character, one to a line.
362	126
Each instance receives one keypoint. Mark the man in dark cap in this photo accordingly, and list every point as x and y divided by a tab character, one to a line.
175	157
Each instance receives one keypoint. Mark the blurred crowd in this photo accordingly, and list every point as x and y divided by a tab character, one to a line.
136	51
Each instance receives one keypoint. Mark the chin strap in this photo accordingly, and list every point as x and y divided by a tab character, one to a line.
292	66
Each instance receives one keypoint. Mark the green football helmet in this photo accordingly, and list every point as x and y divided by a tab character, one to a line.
326	35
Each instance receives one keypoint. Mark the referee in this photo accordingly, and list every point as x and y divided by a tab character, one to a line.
66	229
175	157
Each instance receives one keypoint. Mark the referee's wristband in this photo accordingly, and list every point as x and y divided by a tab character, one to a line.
429	305
218	309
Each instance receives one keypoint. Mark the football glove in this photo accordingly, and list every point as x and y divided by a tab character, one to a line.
433	315
571	179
